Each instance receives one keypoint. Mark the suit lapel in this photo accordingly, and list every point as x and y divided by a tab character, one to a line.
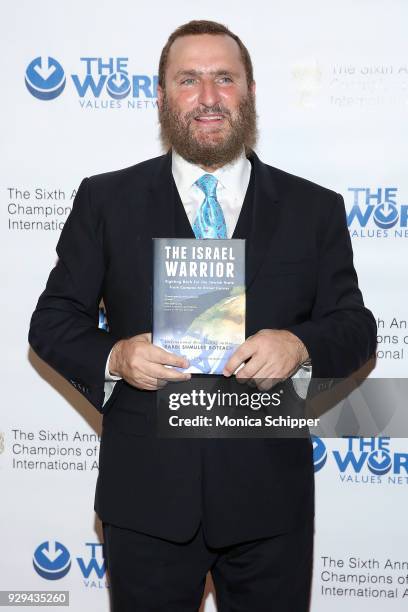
167	215
161	217
265	216
183	225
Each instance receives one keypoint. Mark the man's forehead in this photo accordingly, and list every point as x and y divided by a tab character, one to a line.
196	51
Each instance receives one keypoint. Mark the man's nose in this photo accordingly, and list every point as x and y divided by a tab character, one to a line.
208	95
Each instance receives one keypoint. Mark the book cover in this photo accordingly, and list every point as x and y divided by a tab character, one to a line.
199	299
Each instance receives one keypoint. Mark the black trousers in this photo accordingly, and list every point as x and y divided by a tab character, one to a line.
149	574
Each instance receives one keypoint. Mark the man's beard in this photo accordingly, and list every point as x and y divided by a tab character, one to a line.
176	132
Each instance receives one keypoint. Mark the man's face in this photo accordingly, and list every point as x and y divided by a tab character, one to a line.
206	109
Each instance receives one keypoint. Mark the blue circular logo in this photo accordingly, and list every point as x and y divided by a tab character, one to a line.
386	215
118	85
45	78
52	560
319	453
379	462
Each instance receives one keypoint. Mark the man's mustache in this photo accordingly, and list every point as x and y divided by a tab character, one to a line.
218	109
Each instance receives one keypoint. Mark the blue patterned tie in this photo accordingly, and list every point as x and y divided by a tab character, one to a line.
210	221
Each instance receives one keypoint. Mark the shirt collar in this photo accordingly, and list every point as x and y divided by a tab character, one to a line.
232	176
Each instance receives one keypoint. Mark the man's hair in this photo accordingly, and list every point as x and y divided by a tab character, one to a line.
204	27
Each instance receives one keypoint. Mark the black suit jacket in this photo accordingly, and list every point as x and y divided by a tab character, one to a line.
300	277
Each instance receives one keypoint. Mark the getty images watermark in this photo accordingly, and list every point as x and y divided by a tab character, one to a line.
212	406
209	401
209	406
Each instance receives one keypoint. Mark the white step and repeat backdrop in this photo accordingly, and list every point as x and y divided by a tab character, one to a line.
332	96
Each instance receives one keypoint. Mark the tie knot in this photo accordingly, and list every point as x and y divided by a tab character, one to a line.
208	184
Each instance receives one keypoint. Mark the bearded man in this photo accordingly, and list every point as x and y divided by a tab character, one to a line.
174	509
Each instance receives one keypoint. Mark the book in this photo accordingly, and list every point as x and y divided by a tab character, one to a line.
199	300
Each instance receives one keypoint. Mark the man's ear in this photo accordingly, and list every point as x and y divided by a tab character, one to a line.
160	95
252	87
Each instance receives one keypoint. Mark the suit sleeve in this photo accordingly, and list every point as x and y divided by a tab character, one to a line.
341	333
64	326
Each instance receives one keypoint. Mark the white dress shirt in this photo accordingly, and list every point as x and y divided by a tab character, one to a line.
233	180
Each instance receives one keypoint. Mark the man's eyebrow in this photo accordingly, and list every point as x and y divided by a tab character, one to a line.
194	73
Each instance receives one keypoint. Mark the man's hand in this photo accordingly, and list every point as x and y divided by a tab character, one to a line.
267	357
142	364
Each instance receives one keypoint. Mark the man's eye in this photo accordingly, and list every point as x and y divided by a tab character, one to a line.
188	81
225	79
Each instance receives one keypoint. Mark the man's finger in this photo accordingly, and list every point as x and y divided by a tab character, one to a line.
145	337
266	378
243	352
251	368
265	384
145	382
275	373
161	372
160	356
